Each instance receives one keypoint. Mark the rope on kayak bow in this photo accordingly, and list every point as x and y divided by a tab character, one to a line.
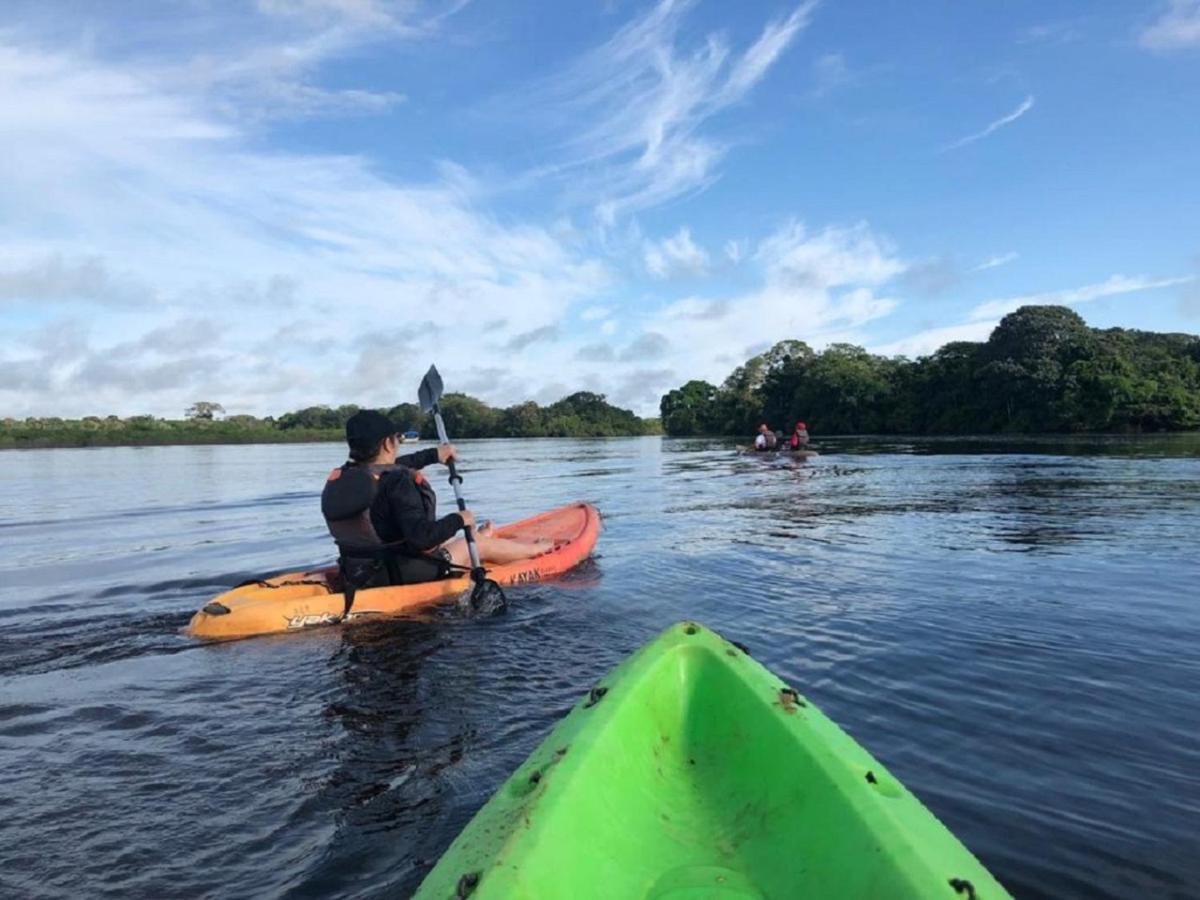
962	886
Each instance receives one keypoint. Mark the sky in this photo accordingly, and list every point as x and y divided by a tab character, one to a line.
277	203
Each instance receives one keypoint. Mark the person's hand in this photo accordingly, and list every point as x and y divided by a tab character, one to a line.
468	518
446	452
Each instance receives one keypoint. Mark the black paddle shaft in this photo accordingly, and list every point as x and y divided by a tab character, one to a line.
477	570
486	590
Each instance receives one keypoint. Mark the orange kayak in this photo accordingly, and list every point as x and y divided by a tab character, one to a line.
302	600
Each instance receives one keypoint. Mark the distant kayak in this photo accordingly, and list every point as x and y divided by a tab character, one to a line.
692	771
302	600
777	452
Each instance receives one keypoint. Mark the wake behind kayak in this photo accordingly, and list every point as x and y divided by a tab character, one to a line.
777	453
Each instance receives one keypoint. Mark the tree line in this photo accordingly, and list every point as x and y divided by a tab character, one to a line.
1042	370
582	414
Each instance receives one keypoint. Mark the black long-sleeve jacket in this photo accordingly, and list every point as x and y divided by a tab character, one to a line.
405	507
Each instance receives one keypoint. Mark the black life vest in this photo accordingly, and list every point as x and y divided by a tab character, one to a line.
364	559
349	494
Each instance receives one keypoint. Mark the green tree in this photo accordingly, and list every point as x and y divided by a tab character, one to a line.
523	420
204	410
1024	365
691	409
465	417
943	398
406	416
317	417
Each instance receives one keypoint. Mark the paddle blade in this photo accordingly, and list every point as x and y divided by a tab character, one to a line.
430	391
487	599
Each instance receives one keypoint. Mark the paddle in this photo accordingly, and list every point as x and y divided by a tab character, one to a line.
486	592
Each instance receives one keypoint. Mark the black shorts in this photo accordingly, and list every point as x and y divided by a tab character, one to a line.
375	572
433	566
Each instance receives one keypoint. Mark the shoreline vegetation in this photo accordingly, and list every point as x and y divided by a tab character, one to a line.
1042	371
581	414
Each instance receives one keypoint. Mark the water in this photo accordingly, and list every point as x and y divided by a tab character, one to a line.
1013	630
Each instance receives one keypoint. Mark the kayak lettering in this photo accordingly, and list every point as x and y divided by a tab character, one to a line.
308	621
527	576
311	620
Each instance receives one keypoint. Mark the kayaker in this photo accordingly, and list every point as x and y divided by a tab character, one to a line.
383	512
766	439
799	437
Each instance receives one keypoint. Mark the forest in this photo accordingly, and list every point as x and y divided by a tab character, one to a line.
581	414
1042	370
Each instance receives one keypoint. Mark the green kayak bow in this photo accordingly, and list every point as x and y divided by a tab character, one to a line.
691	771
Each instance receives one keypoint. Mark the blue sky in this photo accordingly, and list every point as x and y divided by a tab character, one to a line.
271	204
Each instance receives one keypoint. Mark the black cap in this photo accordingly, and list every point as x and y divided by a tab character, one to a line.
368	427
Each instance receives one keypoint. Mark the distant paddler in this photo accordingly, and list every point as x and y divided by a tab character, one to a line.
799	440
766	439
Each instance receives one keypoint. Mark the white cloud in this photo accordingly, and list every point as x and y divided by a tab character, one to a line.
928	341
830	72
819	287
519	342
353	13
1063	32
676	255
646	97
697	308
986	316
1177	29
649	346
42	279
117	165
1116	284
250	62
734	251
831	258
609	327
595	313
753	65
994	262
596	353
1025	106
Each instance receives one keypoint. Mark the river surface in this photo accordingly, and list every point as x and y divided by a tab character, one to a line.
1014	630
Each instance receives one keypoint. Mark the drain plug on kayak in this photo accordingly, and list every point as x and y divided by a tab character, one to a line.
216	609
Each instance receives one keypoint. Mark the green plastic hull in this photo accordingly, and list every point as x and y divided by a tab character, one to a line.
691	771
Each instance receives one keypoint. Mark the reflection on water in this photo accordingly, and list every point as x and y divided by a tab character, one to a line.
1011	627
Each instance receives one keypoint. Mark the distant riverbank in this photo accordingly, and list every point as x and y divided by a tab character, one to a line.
167	433
578	415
